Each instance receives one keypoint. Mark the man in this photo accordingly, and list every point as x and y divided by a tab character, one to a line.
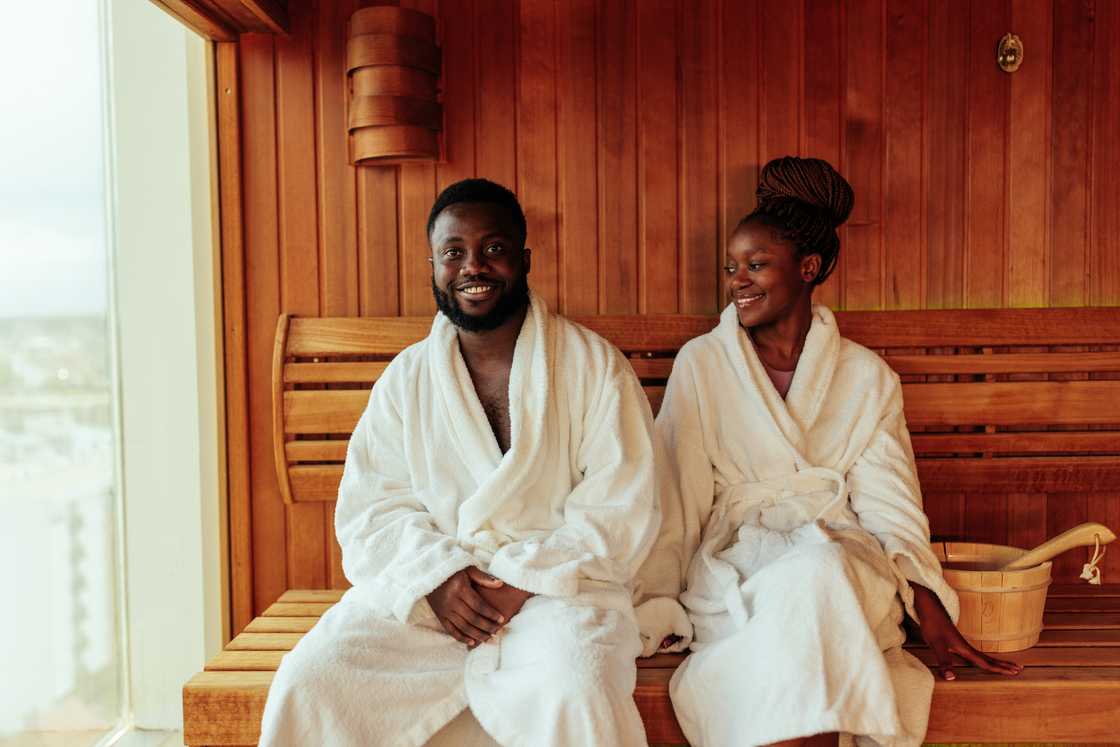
497	500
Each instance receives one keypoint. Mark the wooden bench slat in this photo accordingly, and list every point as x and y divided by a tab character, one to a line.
316	483
1053	442
1004	363
281	624
323	411
309	336
1019	475
1083	604
950	328
316	450
1081	589
264	642
224	708
335	372
297	609
1013	403
245	661
312	595
976	707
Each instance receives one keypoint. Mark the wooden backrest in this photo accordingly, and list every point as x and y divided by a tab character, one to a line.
1019	400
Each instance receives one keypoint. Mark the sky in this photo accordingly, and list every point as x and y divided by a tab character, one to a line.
53	259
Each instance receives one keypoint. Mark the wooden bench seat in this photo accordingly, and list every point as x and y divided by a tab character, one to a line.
1070	690
1006	407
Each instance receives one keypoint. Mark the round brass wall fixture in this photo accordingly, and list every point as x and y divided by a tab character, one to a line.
392	68
1009	53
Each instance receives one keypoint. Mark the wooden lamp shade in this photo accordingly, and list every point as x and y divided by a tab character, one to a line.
393	66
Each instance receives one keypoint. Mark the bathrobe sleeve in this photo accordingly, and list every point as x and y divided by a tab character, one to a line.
887	498
391	544
610	516
686	487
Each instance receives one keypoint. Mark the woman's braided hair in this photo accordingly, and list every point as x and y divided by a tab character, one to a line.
807	200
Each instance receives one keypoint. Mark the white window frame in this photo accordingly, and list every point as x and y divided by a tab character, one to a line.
167	313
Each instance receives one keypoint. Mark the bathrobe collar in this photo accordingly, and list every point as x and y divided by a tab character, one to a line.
794	416
498	477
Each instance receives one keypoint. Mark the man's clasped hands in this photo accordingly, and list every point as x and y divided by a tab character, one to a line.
472	605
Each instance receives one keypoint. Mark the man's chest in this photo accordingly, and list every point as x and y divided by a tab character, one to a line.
493	394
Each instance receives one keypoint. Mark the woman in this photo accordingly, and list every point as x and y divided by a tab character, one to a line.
792	506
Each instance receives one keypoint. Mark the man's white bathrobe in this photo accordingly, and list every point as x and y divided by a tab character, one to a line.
568	513
797	526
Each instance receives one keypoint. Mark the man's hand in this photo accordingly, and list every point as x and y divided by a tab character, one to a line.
944	639
462	611
507	599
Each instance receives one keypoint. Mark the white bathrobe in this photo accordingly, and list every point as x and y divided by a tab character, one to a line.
794	528
568	513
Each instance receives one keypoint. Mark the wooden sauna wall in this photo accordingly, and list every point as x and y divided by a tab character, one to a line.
633	131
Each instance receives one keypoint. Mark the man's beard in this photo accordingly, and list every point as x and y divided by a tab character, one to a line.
508	304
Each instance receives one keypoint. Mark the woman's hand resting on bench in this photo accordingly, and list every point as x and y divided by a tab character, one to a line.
943	638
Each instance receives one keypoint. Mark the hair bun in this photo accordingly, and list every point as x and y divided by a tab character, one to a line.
808	180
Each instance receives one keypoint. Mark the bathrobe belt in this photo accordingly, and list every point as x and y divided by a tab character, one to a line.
782	504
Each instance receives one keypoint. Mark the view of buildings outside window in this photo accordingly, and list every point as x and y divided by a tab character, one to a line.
58	640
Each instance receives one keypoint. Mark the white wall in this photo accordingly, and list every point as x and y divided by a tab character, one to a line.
167	316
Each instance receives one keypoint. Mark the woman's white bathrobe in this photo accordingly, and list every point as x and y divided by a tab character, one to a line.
567	513
797	526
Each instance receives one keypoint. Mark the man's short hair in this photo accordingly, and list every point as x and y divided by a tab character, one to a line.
479	190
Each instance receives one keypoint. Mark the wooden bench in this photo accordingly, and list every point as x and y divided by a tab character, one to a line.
1004	406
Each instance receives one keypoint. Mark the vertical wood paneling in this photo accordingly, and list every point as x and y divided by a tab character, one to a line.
378	242
618	165
579	225
986	180
336	178
658	165
536	142
903	206
739	118
299	256
1069	240
822	128
780	72
863	154
262	301
1028	260
633	132
416	191
495	37
238	482
1105	186
460	51
945	152
699	208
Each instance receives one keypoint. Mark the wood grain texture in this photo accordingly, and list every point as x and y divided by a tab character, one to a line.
633	133
616	59
904	175
988	90
699	208
299	258
945	153
234	334
263	304
1028	184
863	154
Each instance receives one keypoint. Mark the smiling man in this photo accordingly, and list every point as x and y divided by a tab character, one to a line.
497	501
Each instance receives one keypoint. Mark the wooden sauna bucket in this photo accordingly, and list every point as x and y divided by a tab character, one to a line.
1000	610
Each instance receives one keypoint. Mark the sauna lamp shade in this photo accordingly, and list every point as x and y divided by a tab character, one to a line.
392	67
